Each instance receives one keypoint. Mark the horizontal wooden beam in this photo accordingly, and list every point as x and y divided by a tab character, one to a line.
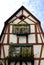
23	43
34	59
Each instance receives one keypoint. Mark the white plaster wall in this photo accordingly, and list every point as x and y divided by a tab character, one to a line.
32	28
23	63
36	62
29	63
32	19
25	13
29	21
10	28
12	63
37	49
13	38
18	63
6	48
39	38
12	19
19	13
5	39
22	39
16	21
22	22
31	38
2	53
42	62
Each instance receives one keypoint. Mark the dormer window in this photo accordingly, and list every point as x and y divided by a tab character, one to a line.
21	29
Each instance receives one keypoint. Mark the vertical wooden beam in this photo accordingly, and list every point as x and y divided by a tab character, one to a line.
26	39
17	39
22	11
36	35
29	31
8	35
21	63
33	50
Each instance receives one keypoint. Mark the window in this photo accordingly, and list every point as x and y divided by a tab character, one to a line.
20	50
21	29
21	53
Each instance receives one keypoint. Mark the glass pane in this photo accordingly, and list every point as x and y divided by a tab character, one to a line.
26	51
20	51
21	29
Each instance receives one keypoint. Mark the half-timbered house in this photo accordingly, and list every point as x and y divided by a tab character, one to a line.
22	40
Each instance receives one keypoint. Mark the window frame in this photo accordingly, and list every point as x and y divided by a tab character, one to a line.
20	33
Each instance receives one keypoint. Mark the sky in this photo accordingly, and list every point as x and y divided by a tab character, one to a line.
8	7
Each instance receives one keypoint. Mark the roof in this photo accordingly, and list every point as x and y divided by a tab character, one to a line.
6	22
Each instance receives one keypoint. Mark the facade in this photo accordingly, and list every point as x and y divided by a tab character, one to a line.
22	40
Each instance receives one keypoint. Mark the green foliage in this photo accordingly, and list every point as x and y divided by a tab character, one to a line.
1	63
23	51
20	28
11	49
6	58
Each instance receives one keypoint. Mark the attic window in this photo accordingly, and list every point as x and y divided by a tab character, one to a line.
22	17
21	29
